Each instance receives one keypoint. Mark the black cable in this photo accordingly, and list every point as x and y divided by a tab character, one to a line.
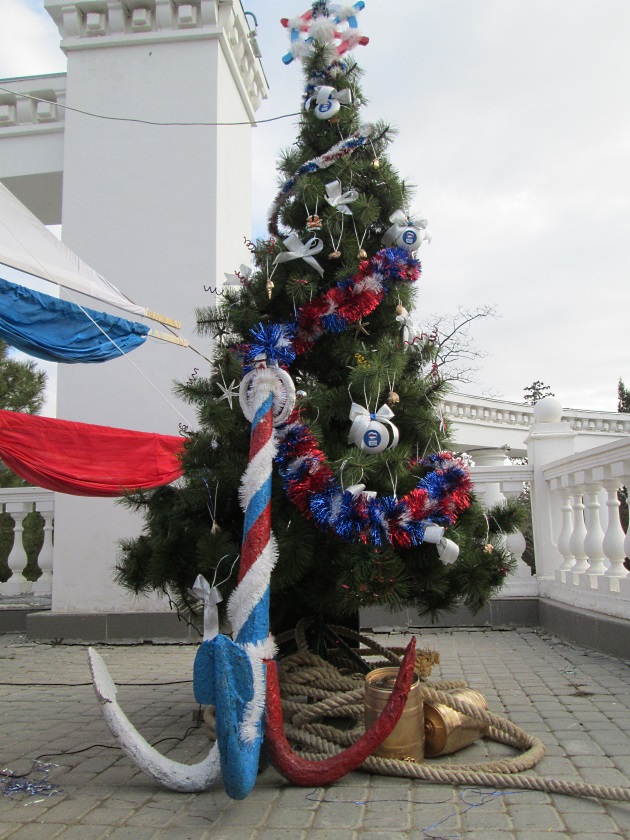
92	747
145	122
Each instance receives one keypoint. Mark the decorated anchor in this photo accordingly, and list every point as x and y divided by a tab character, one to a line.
231	674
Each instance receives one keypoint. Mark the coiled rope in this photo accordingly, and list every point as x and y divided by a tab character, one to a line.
306	677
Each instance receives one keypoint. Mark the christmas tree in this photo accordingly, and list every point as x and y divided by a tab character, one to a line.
368	505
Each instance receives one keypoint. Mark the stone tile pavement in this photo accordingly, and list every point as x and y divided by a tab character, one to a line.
576	701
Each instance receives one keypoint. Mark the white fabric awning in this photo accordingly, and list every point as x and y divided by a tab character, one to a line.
27	245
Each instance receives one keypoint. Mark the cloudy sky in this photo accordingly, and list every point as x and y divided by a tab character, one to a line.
514	122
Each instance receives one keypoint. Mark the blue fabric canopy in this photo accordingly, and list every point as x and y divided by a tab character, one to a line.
59	331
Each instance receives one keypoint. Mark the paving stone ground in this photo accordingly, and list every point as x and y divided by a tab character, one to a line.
576	701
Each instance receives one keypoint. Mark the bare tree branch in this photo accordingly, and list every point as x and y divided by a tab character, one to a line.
455	347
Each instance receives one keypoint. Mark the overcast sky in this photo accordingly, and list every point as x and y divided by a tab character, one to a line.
514	122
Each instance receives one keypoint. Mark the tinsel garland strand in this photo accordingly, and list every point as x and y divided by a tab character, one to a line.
335	310
309	483
341	149
353	298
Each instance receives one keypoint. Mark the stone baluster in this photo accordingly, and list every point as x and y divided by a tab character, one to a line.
17	583
490	491
594	540
614	536
43	585
576	541
564	537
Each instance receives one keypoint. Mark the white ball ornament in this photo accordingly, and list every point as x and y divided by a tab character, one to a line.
372	432
375	438
328	109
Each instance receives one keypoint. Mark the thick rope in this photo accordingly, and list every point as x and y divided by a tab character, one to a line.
318	740
341	696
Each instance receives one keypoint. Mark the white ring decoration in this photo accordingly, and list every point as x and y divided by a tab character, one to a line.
255	386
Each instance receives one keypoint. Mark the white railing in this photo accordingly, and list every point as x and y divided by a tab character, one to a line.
580	544
590	545
18	503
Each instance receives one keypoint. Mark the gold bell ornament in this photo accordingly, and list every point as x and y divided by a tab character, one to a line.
407	738
362	255
376	164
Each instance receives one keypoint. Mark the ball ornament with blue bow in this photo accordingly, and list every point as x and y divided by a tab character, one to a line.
408	232
372	431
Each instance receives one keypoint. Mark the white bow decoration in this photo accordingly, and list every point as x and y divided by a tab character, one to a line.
361	418
299	250
448	551
359	490
407	232
245	272
210	596
406	322
336	198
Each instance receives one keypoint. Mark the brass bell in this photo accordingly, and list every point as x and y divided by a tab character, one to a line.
362	255
376	164
407	738
447	730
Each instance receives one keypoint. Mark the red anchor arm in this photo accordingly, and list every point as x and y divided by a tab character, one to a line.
309	772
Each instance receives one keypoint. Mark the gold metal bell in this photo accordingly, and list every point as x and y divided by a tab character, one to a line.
376	163
407	739
362	255
446	730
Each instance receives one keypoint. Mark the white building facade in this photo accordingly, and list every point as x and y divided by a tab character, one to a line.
159	210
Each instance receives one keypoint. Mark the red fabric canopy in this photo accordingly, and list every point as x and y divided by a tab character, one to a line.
86	460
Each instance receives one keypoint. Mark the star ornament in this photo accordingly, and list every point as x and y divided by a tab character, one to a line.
228	392
359	328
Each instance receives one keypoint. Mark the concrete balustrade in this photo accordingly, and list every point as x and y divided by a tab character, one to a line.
591	542
18	503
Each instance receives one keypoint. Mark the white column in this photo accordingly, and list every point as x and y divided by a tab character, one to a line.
43	585
522	582
614	537
17	583
576	542
160	211
549	438
564	537
489	492
594	540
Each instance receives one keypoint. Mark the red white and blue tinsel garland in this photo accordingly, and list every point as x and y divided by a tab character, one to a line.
354	298
309	482
339	307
